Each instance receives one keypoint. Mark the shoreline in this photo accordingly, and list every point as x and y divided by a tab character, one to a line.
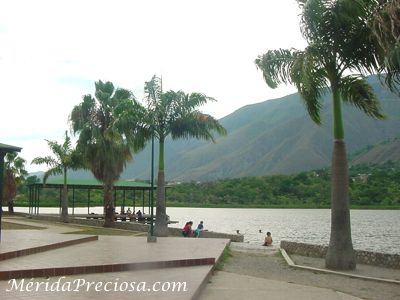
352	207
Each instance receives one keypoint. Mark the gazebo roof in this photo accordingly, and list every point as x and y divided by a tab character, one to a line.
95	184
8	148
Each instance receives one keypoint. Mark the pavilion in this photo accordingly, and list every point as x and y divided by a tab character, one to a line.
131	192
4	149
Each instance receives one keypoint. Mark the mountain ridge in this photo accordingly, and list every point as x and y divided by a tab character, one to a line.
272	137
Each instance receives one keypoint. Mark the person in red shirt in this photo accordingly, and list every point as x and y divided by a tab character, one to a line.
187	229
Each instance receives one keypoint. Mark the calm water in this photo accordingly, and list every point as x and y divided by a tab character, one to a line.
374	230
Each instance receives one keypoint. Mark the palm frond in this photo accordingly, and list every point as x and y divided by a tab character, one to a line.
57	170
309	76
196	125
48	160
276	66
356	91
391	68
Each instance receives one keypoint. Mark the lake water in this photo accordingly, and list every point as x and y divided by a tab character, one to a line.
372	230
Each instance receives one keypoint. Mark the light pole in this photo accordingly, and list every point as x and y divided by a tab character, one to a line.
150	236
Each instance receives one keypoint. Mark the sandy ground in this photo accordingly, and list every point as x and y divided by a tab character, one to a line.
269	264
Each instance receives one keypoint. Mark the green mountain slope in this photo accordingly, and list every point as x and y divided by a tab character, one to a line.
378	154
272	137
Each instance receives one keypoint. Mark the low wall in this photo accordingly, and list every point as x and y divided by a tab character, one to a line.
362	257
140	227
210	234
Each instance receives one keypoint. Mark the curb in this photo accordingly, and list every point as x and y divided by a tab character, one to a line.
291	264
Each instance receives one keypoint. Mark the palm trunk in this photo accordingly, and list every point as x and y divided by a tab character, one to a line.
108	205
64	200
64	204
340	255
161	226
11	206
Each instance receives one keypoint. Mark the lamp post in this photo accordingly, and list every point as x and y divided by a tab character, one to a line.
150	237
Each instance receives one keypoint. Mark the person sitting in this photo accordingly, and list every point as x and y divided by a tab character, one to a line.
139	215
199	229
129	212
268	239
187	229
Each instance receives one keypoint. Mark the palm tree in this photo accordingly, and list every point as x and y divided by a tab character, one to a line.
385	25
14	173
176	114
338	43
106	128
65	157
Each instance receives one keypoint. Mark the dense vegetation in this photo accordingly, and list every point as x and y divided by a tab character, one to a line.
371	186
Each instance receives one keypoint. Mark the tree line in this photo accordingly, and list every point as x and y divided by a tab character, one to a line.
370	186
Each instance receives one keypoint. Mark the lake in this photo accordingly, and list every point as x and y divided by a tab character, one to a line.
372	230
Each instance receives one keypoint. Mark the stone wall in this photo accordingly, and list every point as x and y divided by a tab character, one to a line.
141	227
362	257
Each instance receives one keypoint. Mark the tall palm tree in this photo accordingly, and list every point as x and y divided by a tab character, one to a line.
175	114
106	127
338	43
64	157
14	173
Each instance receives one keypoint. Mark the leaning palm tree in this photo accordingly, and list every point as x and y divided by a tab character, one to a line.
338	43
106	140
14	173
64	157
175	114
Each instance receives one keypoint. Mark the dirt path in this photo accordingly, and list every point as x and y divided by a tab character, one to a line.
271	265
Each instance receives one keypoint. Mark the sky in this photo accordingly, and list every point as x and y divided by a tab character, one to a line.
52	52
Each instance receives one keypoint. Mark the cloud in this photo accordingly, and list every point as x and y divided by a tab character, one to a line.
52	52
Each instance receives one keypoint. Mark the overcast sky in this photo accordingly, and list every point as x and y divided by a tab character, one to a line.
52	52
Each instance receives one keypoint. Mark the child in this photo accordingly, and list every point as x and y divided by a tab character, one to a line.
199	229
268	239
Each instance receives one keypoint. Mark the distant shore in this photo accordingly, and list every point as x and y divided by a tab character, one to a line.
192	205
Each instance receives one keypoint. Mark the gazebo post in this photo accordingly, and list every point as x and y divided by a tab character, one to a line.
88	201
134	200
29	199
59	210
2	154
73	201
143	201
123	199
38	201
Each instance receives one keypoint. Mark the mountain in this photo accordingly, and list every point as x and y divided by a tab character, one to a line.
378	154
272	137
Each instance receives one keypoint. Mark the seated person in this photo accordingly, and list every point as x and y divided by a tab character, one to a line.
199	229
268	239
139	215
187	229
129	212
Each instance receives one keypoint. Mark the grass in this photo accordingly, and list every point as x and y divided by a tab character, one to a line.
15	226
226	254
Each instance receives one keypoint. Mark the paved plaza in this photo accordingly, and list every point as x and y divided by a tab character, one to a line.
172	268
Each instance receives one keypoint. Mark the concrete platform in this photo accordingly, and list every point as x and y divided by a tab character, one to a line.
166	262
17	243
